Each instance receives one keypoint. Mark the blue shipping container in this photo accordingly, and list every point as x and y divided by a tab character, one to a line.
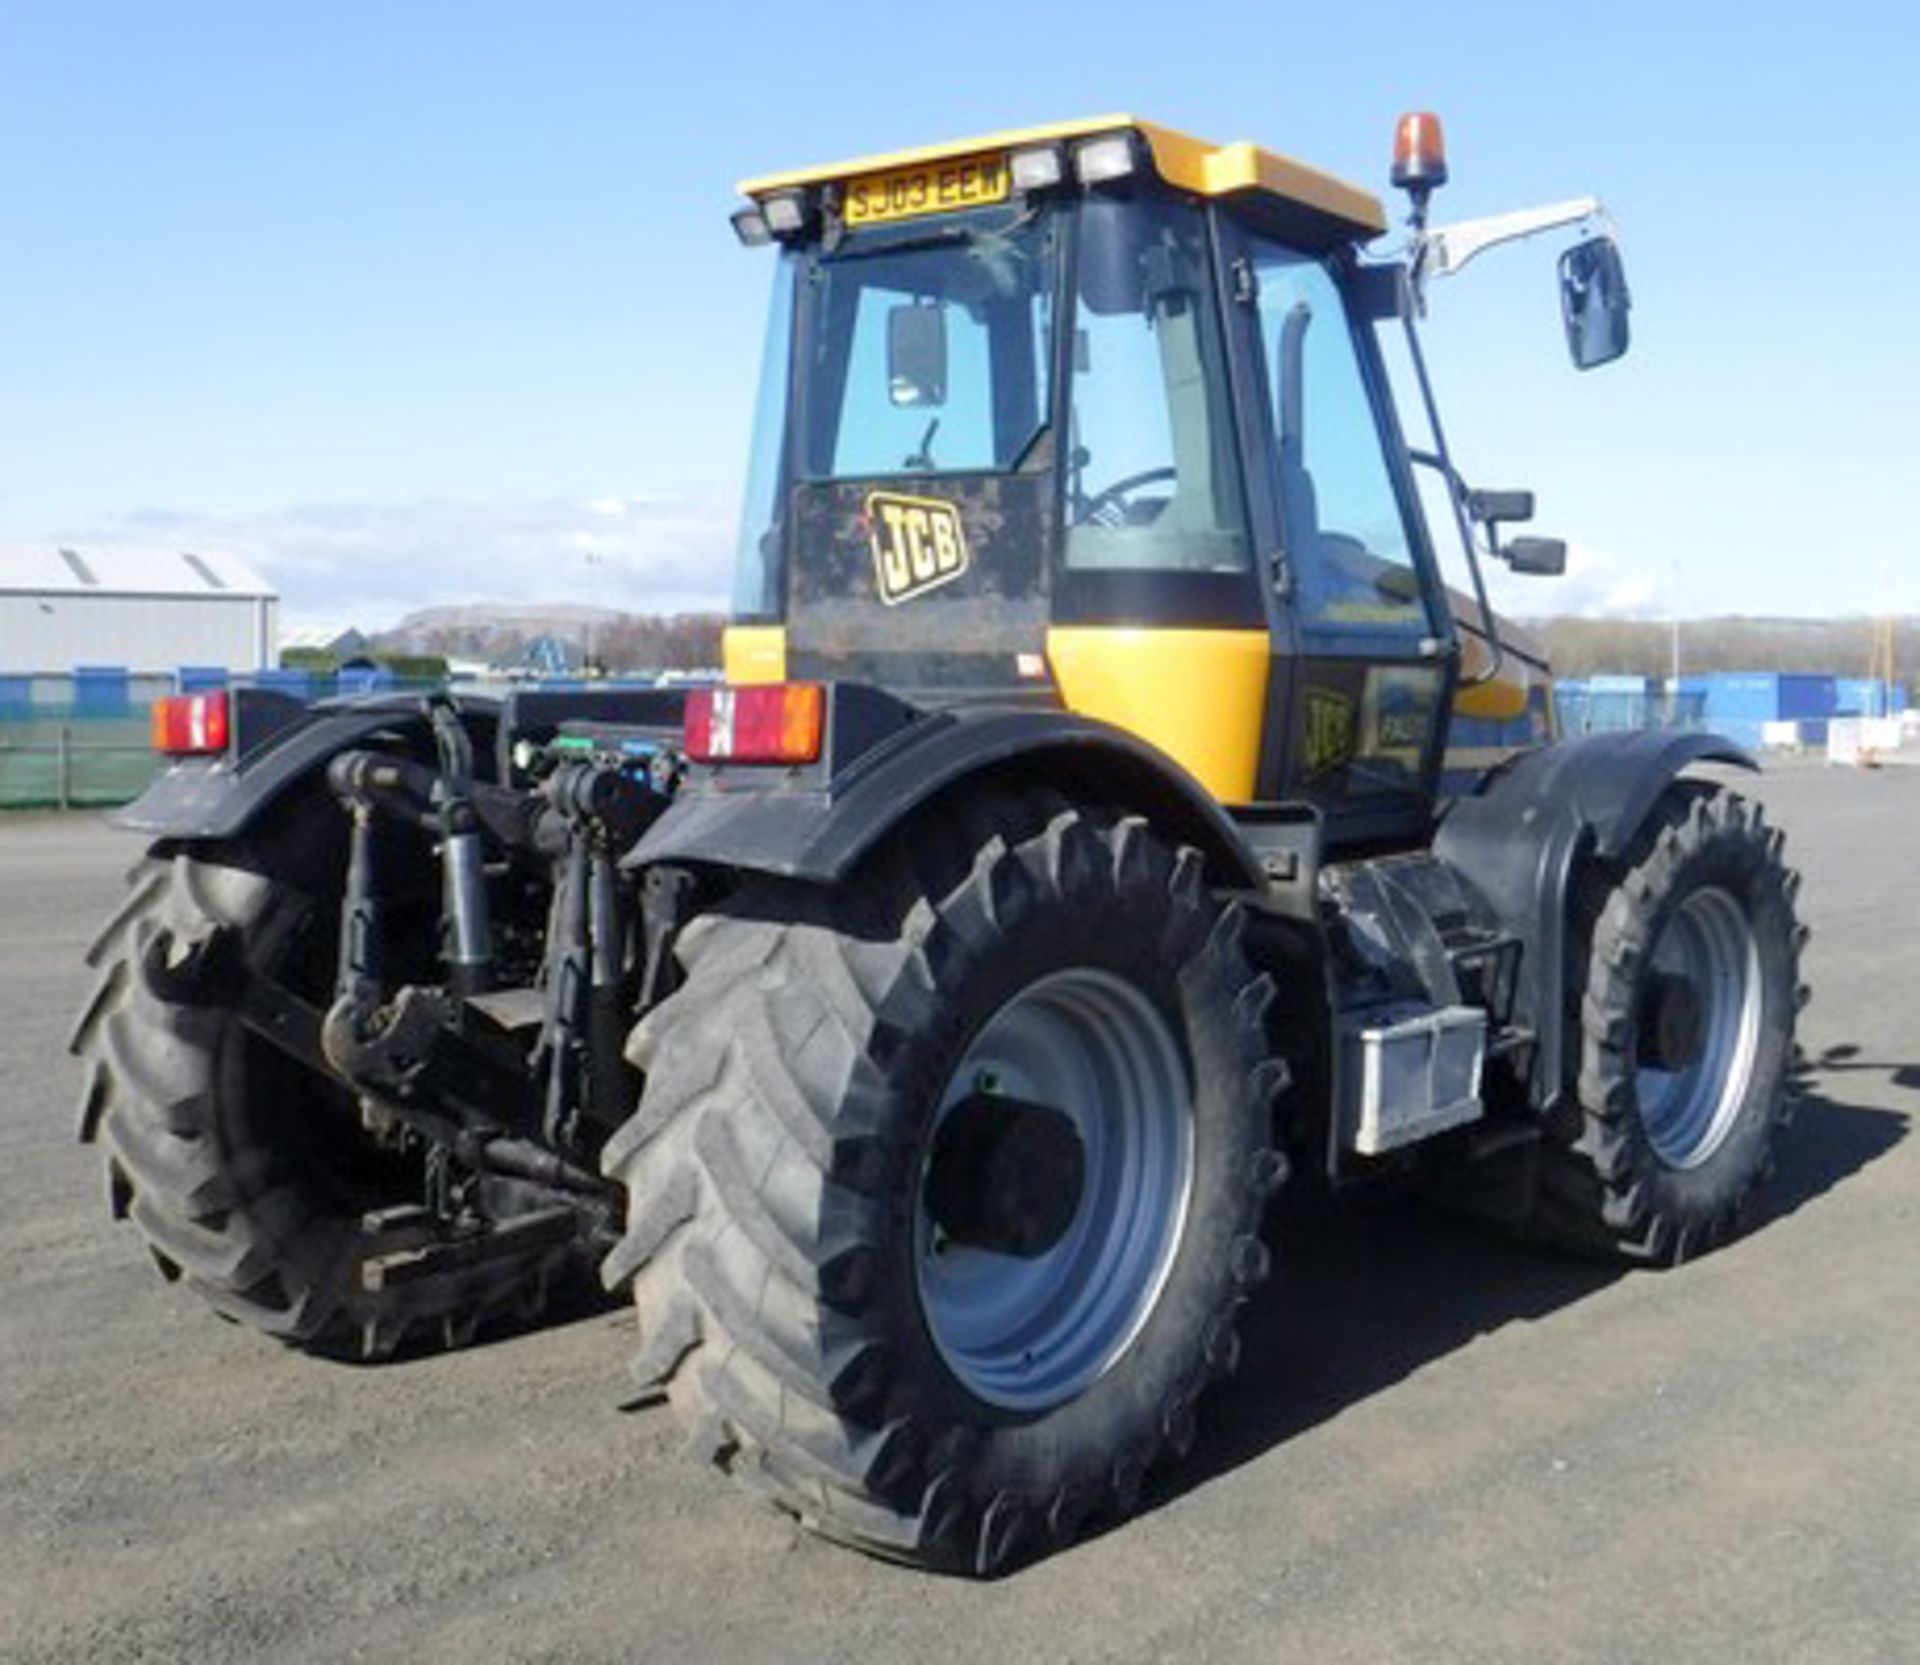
1804	695
1860	696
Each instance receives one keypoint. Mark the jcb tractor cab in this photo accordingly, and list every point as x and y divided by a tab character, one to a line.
1094	417
1107	812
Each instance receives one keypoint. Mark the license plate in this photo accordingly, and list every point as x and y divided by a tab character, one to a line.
926	188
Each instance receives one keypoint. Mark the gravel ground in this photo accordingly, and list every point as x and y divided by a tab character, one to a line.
1441	1446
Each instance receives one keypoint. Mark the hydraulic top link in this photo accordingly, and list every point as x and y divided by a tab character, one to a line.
468	934
589	1001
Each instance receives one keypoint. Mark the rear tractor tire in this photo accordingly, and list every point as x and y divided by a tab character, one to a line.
248	1175
1686	1062
944	1188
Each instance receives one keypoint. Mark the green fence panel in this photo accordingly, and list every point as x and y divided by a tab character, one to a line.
73	763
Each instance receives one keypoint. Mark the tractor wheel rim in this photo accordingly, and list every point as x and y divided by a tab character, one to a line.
1027	1334
1687	1108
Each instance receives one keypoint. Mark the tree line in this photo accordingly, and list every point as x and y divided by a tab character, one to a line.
1579	647
618	643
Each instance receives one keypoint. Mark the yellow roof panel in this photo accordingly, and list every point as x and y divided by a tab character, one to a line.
1187	163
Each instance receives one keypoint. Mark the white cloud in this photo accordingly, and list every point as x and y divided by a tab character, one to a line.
1596	585
368	563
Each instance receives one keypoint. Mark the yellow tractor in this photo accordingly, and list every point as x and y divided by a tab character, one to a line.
1107	812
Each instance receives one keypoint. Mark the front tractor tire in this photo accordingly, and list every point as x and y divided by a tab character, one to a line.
1686	1022
248	1174
944	1188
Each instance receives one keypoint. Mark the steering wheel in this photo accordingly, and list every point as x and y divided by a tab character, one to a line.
1118	491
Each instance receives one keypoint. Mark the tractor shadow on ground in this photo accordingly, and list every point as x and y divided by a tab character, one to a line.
1364	1296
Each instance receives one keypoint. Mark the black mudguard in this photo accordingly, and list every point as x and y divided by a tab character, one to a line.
278	745
816	824
1520	839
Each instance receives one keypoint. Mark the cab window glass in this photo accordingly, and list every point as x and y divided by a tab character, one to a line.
878	436
985	406
756	572
1346	540
1152	481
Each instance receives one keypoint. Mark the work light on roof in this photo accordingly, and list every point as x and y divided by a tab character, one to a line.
750	226
1038	168
1106	158
785	212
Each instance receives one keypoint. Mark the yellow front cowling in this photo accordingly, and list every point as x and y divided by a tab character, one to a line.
754	653
1198	695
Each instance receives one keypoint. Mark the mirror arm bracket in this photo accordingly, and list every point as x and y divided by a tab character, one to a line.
1443	249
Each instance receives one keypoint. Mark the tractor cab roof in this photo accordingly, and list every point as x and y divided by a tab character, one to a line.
1283	195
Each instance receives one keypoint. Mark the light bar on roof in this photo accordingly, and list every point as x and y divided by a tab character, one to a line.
1109	157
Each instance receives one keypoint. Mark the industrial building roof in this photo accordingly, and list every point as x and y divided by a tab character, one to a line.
127	570
323	638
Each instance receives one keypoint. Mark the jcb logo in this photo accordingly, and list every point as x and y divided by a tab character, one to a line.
917	544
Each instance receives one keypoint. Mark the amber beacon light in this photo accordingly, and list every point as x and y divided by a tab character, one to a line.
1419	152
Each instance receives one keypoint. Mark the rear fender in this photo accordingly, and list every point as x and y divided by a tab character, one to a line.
276	751
1522	837
816	825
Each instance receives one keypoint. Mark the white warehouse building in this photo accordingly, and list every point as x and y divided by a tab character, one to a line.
146	609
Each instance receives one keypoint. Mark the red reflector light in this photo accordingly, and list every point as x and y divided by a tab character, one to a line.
1419	150
188	725
775	722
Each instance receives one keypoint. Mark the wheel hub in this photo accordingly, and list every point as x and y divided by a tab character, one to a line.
1700	1018
1673	1027
1055	1189
1005	1176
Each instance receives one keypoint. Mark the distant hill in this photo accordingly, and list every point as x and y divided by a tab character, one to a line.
1642	647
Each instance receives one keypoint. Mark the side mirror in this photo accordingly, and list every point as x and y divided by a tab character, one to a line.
1594	302
1536	557
1492	507
917	354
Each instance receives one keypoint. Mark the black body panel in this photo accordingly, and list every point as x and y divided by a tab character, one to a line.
965	636
815	824
1521	836
538	714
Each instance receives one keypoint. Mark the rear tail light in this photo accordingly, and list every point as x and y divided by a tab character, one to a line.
189	725
775	722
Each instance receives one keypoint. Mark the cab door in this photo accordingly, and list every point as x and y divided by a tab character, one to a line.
1365	653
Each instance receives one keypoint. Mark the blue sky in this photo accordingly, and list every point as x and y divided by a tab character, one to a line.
413	302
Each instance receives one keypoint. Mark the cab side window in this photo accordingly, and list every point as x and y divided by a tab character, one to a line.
1348	553
1152	473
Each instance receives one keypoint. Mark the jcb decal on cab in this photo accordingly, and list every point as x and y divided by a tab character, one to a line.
918	544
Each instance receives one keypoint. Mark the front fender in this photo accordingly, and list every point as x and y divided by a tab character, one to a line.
817	830
1519	838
